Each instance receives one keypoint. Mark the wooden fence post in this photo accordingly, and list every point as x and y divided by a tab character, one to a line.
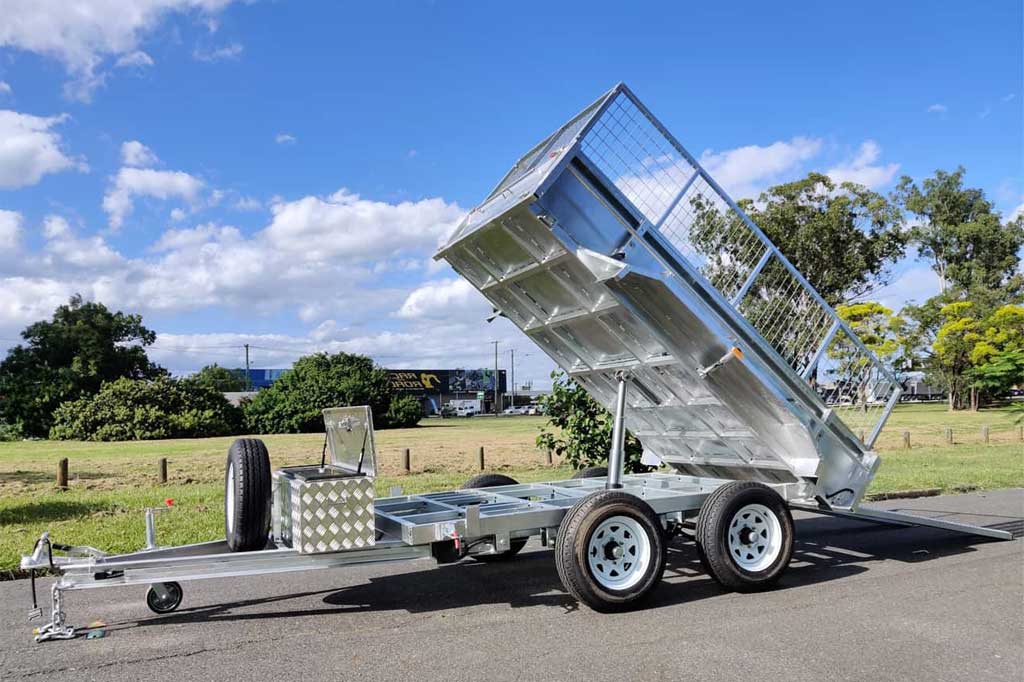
984	433
161	470
860	435
551	459
62	474
949	435
407	461
1020	432
906	440
481	458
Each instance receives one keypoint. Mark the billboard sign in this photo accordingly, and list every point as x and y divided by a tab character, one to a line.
434	381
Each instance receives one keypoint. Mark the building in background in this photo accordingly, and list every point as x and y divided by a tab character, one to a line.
261	378
436	387
433	387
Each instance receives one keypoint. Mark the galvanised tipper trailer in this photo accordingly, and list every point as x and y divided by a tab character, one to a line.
621	258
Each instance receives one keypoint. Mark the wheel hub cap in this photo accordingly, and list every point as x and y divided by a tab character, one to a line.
618	553
754	538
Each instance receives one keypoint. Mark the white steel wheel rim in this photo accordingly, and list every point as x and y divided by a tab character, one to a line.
755	537
229	498
619	553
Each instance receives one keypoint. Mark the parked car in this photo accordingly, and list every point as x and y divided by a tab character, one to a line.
516	409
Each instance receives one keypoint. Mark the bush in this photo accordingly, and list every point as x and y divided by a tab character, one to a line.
220	378
580	430
137	409
405	411
10	432
294	403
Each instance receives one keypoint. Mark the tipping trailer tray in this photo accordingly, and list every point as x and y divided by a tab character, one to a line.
614	251
620	257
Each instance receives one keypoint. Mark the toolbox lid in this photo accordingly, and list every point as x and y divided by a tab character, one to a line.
350	439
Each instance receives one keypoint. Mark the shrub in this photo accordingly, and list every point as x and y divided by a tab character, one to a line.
137	409
10	432
405	411
580	430
294	403
219	378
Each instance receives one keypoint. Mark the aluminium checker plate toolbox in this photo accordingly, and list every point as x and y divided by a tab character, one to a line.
321	510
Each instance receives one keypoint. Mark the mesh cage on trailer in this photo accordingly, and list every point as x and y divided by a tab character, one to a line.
606	235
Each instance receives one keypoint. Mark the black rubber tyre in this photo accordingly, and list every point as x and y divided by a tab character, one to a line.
247	491
591	472
487	481
167	605
727	538
573	547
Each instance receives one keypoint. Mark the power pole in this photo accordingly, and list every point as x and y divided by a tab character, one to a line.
512	352
248	380
496	406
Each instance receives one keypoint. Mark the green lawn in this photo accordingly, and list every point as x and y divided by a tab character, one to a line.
112	482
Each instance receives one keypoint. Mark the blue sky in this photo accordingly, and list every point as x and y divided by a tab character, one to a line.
279	173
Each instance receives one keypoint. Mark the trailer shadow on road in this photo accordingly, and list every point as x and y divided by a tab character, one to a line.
826	549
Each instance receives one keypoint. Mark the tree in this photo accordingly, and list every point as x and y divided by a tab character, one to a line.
997	354
842	238
882	333
961	234
219	378
580	429
952	348
140	409
294	403
70	356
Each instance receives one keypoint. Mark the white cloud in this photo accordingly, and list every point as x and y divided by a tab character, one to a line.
445	299
134	153
30	148
745	171
24	300
284	138
178	214
985	113
862	170
1008	97
227	52
1017	211
248	204
10	231
145	182
937	109
83	35
343	225
137	58
5	88
64	247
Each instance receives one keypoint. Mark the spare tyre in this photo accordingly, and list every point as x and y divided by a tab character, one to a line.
247	495
486	481
591	472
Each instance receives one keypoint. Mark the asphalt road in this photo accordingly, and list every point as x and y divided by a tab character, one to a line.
860	602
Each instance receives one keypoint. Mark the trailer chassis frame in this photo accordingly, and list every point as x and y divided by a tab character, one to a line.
446	526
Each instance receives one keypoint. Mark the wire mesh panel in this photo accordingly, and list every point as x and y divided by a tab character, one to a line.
785	313
674	196
706	230
637	157
854	386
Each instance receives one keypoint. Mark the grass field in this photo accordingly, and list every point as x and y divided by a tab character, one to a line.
110	483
